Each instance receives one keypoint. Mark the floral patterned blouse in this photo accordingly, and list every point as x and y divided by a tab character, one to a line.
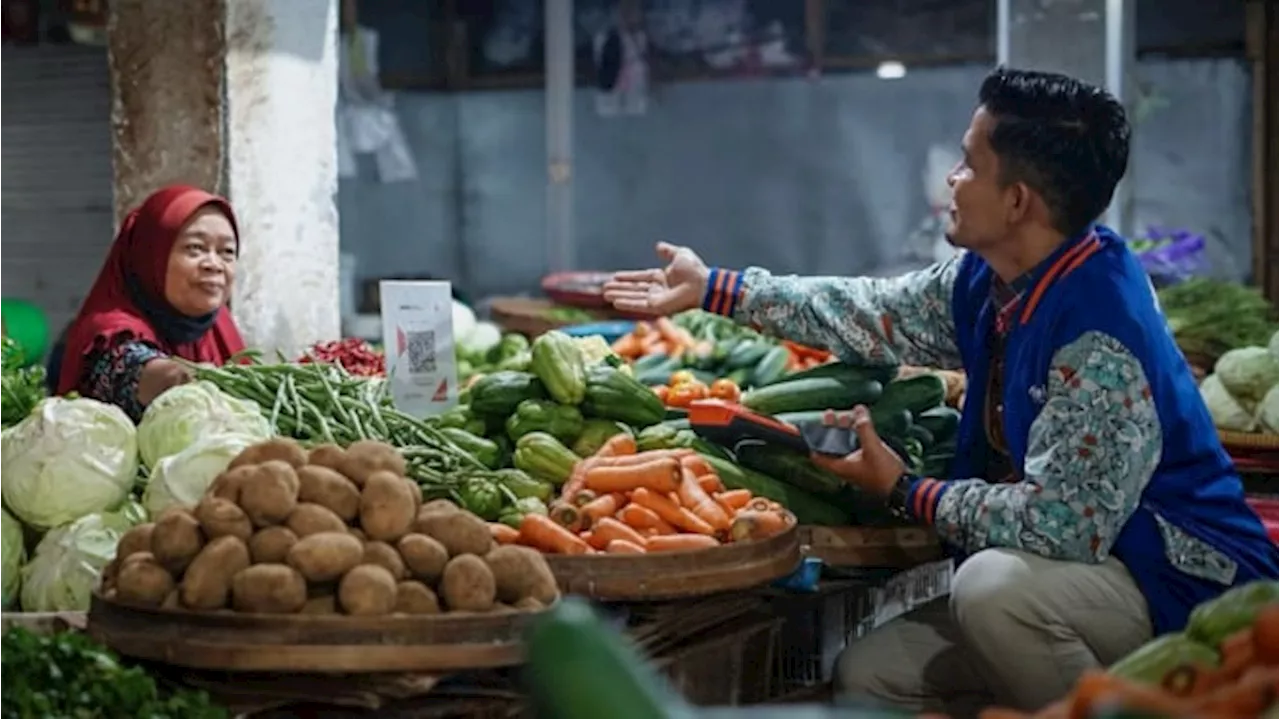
113	372
1090	452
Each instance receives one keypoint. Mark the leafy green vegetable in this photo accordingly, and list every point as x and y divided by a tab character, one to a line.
1210	317
69	675
21	388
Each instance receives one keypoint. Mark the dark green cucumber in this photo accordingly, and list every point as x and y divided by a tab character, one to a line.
890	422
788	466
914	394
747	353
808	508
921	434
771	367
937	465
847	373
810	394
656	373
942	422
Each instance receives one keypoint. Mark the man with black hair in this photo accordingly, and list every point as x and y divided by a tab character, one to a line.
1090	504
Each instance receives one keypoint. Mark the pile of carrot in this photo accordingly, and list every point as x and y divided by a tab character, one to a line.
622	501
803	357
1244	684
659	336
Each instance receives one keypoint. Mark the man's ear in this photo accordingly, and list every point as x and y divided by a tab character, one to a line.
1019	200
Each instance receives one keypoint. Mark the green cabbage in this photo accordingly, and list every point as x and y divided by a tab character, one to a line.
1247	373
181	479
175	419
1269	411
1226	410
67	563
69	458
14	555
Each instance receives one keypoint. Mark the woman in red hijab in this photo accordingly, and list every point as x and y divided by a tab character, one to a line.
161	294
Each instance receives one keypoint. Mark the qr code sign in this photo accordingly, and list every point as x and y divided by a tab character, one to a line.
421	351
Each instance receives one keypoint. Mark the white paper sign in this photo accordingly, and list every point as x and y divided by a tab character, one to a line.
417	336
911	589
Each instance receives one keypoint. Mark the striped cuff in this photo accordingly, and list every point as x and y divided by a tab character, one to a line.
724	292
922	498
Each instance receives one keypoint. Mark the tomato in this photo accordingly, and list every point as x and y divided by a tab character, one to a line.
681	377
684	394
661	390
726	389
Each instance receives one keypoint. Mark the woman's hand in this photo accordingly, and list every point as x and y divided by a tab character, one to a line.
159	375
874	467
680	286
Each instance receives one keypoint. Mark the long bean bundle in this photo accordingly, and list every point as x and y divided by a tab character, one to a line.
317	403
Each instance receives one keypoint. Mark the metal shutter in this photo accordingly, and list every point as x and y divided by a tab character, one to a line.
56	211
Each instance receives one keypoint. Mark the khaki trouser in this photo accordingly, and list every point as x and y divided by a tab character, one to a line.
1017	631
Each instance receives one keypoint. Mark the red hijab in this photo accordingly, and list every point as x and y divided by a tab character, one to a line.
127	300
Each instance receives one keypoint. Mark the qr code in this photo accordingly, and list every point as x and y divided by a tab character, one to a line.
421	351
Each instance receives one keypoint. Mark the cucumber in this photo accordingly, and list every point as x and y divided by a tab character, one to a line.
771	367
648	361
808	508
921	434
788	466
891	422
937	465
1156	660
740	376
914	394
850	374
747	353
942	422
810	394
1232	611
658	373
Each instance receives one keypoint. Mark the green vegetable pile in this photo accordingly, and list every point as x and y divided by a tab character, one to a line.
69	675
1210	317
21	387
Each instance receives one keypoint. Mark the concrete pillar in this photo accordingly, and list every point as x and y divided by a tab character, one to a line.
1089	39
238	96
558	54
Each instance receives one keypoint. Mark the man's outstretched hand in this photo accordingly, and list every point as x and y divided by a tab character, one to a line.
675	288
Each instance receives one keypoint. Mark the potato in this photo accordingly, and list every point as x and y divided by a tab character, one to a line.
280	448
358	533
501	608
366	457
367	591
467	584
176	539
520	572
143	581
321	604
207	581
270	545
325	556
459	532
423	556
221	517
328	488
384	555
227	485
172	601
415	491
529	604
327	455
309	518
438	505
416	598
386	507
137	539
271	494
268	589
107	582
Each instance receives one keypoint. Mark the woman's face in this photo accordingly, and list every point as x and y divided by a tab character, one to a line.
202	264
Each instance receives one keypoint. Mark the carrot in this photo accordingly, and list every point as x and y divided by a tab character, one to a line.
1097	689
638	517
610	529
697	464
622	546
671	512
502	534
1237	653
577	480
659	475
710	484
672	332
734	499
1247	697
680	542
1266	633
600	507
759	504
693	497
1002	713
617	445
630	460
751	525
566	515
544	534
627	345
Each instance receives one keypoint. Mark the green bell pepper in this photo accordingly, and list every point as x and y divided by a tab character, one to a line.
512	514
485	451
482	498
533	415
595	432
523	486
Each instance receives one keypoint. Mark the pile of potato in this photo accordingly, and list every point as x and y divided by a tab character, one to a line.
286	531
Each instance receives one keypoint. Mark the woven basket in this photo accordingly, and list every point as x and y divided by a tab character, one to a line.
1249	441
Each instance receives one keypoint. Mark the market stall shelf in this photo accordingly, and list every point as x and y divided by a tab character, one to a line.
887	547
303	643
672	575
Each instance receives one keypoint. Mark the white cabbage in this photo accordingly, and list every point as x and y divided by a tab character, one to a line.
181	479
1247	373
68	458
68	562
174	420
1226	410
14	555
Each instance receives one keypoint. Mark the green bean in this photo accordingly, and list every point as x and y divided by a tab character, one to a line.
281	391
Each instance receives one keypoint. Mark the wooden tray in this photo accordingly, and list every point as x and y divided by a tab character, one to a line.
890	547
672	575
307	643
1249	441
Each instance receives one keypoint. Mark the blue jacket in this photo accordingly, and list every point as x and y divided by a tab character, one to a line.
1097	285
